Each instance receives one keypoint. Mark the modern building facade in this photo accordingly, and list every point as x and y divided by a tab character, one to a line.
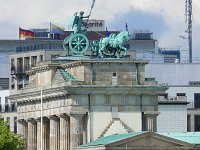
8	111
147	48
183	81
173	114
22	62
4	65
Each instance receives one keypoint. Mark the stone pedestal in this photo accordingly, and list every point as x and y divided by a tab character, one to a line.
64	132
76	131
54	133
32	134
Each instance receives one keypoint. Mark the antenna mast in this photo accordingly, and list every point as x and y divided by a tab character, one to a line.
188	20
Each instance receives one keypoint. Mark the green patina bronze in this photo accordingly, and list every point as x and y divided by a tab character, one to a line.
77	42
113	45
106	47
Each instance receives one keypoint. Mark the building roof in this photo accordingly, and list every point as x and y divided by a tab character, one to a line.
188	137
167	102
112	138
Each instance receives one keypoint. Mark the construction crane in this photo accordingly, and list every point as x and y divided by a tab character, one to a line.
188	20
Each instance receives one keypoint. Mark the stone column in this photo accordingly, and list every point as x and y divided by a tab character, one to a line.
32	134
76	131
23	130
45	134
20	127
150	121
64	132
192	128
54	133
85	118
38	134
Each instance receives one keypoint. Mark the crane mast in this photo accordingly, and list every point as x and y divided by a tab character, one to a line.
188	20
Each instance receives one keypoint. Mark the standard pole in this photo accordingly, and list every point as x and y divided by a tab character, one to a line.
50	36
41	122
20	43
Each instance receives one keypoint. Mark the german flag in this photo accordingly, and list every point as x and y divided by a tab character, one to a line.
25	33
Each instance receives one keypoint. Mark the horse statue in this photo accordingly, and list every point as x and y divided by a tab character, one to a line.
113	44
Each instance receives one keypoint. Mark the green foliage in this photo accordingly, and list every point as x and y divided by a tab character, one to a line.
9	140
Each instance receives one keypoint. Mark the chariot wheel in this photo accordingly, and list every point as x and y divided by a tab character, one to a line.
78	43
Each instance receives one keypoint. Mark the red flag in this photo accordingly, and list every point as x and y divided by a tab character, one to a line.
25	33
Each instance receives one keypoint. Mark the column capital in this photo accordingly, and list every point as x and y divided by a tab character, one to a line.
63	115
38	119
76	115
53	117
151	113
31	120
45	119
22	121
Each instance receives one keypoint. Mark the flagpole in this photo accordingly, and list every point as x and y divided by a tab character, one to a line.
50	36
41	122
93	2
126	26
20	44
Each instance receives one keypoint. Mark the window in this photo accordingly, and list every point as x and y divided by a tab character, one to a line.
114	74
194	83
123	102
12	65
107	100
33	61
114	78
19	65
180	94
13	86
165	95
26	63
26	78
41	57
54	56
6	100
12	79
196	100
20	87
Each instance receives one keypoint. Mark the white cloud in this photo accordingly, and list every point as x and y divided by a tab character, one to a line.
37	13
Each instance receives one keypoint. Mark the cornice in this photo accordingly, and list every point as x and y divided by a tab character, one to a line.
36	95
43	68
104	61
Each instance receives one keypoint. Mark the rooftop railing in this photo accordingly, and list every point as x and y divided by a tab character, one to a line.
173	98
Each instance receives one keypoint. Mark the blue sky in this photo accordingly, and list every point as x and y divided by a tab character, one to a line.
165	18
137	19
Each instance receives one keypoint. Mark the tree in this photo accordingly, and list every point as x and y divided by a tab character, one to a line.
9	140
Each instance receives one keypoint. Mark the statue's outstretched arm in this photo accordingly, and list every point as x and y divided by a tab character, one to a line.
86	16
